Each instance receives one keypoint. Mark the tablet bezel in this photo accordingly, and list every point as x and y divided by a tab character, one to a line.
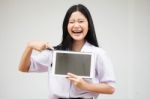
72	52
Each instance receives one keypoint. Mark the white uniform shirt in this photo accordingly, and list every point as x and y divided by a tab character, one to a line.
62	87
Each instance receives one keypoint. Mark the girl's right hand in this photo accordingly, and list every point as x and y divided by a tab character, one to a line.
39	45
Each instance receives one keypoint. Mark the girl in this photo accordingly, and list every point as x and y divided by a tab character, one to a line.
78	35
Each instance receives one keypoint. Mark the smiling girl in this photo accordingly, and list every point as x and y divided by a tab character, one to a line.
78	35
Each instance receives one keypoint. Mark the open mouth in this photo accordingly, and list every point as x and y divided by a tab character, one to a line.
77	32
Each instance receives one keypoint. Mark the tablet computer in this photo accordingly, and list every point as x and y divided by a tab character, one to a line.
79	63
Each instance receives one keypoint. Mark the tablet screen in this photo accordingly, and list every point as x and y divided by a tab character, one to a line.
74	62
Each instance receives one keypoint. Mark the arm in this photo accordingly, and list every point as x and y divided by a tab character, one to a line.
104	88
25	59
100	88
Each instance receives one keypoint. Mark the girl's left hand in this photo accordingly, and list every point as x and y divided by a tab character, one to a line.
77	81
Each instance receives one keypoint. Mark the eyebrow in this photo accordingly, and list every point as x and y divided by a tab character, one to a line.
78	19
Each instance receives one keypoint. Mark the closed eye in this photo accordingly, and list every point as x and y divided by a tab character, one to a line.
71	22
81	21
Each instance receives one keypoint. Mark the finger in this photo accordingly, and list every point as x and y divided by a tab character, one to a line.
72	79
49	46
75	81
72	75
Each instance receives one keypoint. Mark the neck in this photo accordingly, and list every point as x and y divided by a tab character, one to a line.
77	45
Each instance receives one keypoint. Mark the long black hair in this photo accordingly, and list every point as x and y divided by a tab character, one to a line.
67	41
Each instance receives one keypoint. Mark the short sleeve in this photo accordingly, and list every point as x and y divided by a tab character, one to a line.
41	61
104	68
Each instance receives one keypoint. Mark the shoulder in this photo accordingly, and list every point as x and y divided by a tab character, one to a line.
46	52
42	54
100	54
96	50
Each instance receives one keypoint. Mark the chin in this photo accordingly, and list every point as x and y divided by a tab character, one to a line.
77	39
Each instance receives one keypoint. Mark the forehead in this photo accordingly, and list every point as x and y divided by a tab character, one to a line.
77	15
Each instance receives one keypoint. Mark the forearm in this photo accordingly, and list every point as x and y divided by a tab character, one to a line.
103	88
25	59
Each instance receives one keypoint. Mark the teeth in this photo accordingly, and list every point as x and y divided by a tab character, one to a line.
78	32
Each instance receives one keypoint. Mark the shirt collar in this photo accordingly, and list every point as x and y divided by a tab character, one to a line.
87	47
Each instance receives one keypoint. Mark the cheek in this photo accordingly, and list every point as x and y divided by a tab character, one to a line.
68	30
69	27
86	28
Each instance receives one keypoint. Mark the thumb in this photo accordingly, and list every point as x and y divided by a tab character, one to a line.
48	46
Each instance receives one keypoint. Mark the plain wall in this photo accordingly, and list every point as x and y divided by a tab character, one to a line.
122	28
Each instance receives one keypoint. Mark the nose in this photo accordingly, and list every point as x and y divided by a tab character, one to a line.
76	24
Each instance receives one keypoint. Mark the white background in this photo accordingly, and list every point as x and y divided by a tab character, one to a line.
122	27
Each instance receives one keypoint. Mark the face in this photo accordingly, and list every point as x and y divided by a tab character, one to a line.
77	26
